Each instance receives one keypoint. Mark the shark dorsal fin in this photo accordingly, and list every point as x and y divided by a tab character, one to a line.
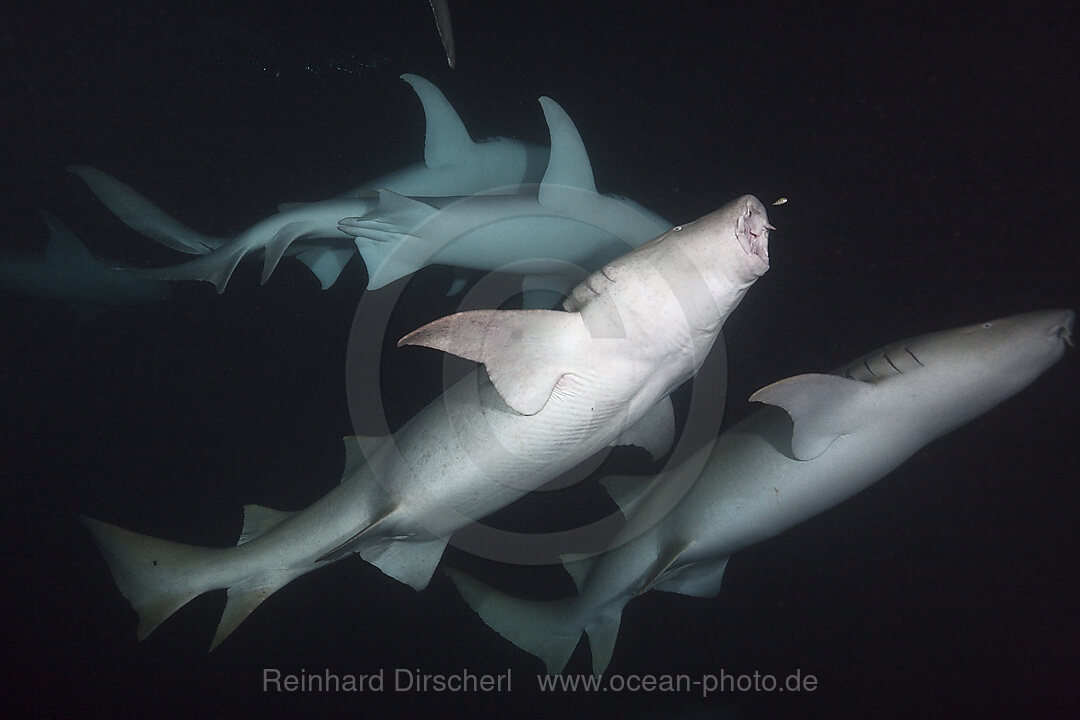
259	519
821	409
569	172
64	248
358	448
447	141
526	352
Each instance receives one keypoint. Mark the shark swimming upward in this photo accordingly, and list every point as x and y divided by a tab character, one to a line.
558	387
821	439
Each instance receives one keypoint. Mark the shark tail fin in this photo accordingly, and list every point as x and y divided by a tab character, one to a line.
156	576
143	216
546	629
216	267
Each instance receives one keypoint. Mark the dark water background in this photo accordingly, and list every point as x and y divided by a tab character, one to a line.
930	155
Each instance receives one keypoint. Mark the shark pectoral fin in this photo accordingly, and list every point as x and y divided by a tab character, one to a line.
525	352
326	263
277	246
410	561
568	180
447	142
390	238
820	406
258	520
546	629
603	630
655	431
698	580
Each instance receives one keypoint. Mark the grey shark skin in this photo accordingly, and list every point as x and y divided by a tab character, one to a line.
563	385
548	230
822	439
542	231
453	165
70	273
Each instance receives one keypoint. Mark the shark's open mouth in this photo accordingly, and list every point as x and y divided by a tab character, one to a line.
1065	330
753	235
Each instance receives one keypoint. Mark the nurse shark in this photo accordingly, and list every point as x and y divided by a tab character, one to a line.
453	165
68	272
821	439
558	387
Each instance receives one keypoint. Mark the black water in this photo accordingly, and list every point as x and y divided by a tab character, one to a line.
930	157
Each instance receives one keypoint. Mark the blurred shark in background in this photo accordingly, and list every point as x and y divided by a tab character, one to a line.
68	272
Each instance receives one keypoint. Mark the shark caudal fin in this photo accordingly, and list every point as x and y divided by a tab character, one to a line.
546	629
158	577
143	216
216	267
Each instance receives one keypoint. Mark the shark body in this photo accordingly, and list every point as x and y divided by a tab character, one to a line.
559	386
454	165
556	231
822	439
68	272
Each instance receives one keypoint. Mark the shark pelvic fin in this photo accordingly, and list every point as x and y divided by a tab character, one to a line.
578	565
242	600
326	263
701	579
277	246
407	560
526	352
543	628
820	407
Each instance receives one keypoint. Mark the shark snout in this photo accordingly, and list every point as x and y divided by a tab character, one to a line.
1064	329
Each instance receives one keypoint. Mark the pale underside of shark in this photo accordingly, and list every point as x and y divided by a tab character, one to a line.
559	386
68	272
454	165
822	439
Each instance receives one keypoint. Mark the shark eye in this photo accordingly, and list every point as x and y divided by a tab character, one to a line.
987	325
